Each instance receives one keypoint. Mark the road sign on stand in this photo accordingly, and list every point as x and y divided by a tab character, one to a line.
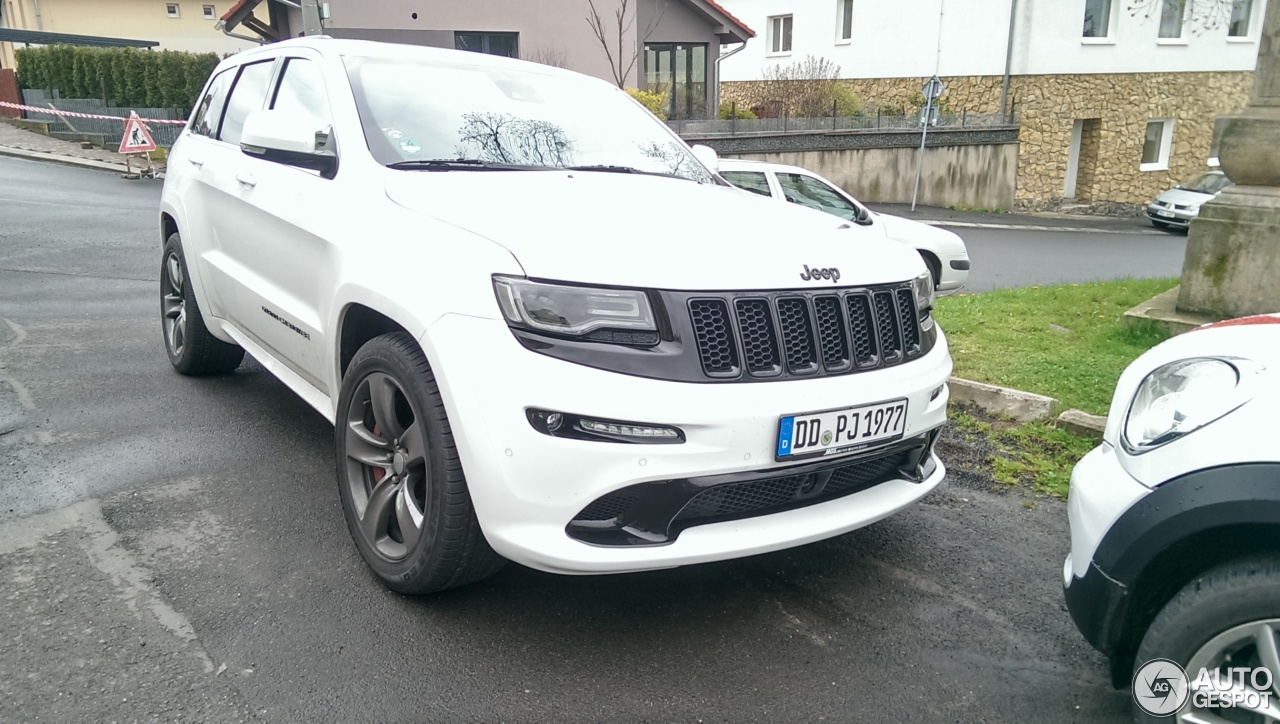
137	139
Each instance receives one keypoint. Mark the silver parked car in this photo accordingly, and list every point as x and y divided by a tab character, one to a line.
1180	204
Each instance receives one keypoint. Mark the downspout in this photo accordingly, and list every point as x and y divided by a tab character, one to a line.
39	18
714	111
1008	60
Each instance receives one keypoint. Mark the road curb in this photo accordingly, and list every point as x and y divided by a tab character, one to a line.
1082	423
64	160
1016	404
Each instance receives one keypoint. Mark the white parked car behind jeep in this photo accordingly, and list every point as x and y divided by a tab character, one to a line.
452	257
943	251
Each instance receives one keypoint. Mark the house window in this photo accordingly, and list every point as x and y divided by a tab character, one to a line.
679	72
1156	145
491	43
780	35
1097	18
1241	12
1171	15
173	10
210	13
844	11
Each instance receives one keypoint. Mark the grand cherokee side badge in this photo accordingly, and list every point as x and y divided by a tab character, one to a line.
814	274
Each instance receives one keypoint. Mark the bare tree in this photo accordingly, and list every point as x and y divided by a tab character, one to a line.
504	138
805	89
556	57
623	54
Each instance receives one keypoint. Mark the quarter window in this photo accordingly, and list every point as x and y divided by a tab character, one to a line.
751	181
1241	13
209	112
844	12
1156	145
780	34
490	43
1097	19
1171	15
249	94
809	191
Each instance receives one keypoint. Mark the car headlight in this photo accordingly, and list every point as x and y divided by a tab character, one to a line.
924	293
1194	208
622	316
1178	399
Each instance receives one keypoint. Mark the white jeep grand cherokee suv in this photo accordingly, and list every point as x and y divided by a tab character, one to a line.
425	246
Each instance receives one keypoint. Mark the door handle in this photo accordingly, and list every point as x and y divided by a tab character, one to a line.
247	180
195	162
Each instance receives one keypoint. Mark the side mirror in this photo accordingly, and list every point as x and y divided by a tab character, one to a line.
706	156
289	138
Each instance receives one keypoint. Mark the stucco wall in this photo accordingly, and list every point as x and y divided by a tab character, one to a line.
133	19
978	176
1048	105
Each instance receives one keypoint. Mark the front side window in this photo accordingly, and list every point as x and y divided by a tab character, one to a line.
420	110
780	34
1156	145
209	111
844	12
1172	13
1241	13
301	90
752	181
809	191
1097	18
248	94
491	43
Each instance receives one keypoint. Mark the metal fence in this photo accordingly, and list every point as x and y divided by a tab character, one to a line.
877	122
111	130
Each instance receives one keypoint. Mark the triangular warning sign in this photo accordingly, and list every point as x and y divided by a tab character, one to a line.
137	138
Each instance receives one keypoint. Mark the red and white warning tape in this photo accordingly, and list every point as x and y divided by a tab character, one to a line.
73	114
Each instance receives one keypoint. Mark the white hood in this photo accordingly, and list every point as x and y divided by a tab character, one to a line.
650	231
1184	197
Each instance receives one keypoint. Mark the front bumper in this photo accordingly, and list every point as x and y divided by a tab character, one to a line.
955	272
527	487
1175	217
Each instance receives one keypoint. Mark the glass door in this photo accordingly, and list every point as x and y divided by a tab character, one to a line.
679	71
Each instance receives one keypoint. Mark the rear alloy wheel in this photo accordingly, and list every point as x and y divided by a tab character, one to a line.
403	492
1227	618
191	348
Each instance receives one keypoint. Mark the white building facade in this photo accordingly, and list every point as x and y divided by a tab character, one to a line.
1116	98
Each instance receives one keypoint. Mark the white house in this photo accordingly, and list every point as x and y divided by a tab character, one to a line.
1116	98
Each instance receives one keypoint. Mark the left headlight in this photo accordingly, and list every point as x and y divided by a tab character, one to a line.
605	315
923	288
1178	399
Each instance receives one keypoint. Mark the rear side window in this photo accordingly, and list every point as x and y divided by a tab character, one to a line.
751	181
209	112
249	94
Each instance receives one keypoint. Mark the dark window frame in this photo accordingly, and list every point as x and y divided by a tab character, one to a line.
485	37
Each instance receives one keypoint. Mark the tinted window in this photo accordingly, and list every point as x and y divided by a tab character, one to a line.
249	94
809	191
209	112
751	181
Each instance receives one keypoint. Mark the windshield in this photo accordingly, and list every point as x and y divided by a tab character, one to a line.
1207	183
423	110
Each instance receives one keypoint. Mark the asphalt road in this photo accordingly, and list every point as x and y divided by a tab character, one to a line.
174	548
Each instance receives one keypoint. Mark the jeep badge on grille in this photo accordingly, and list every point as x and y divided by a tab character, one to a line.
815	273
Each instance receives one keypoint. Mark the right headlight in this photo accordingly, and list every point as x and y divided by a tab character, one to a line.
622	316
922	287
1179	398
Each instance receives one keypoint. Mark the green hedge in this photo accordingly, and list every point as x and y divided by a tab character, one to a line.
119	76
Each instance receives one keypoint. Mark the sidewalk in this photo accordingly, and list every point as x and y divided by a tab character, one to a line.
937	216
22	143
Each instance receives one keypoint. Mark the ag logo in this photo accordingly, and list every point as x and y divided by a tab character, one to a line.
1160	687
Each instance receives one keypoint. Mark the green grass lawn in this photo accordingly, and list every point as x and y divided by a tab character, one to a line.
1063	341
1033	454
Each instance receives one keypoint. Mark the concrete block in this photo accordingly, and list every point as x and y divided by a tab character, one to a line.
1082	423
1016	404
1233	253
1163	310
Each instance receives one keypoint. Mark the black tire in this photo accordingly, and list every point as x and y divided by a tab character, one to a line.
419	473
935	267
1237	593
195	351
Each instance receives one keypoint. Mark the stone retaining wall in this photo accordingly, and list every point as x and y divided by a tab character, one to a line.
1047	107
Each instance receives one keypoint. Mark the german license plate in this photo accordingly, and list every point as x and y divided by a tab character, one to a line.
845	430
1165	214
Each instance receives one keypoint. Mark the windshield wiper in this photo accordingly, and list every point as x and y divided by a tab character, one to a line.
606	168
460	164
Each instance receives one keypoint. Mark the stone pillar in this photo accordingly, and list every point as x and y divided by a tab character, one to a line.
1232	266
